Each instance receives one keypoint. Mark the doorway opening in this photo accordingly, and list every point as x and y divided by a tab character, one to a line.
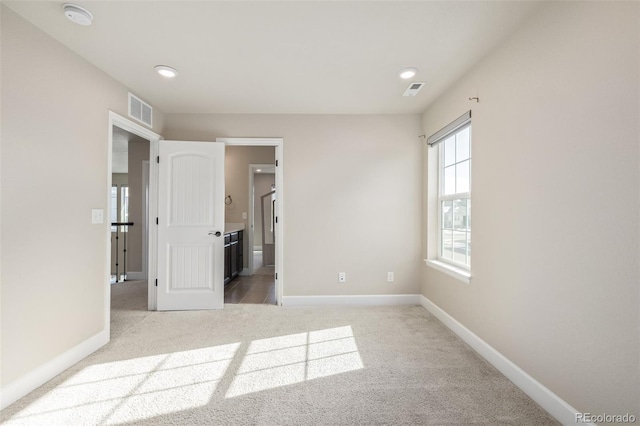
129	206
154	196
261	214
255	210
128	203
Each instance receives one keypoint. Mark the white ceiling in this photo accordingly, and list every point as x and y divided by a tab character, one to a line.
325	57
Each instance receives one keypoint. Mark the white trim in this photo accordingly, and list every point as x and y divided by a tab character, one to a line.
40	375
353	300
153	138
145	218
244	272
152	268
552	403
457	273
128	125
278	143
107	273
251	141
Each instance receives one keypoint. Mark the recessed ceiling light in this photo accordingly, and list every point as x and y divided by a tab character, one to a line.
77	14
407	73
166	71
258	170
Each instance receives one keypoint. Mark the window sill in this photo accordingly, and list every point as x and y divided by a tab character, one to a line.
457	273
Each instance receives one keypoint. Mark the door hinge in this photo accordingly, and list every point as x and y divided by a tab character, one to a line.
158	159
276	219
276	277
276	163
156	282
157	222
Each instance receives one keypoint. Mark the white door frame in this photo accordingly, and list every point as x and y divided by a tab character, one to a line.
145	218
278	143
252	171
118	120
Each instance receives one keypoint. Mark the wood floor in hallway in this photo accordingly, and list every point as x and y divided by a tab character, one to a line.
258	288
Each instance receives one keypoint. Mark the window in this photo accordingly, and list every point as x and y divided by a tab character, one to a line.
119	206
124	206
454	197
449	199
114	206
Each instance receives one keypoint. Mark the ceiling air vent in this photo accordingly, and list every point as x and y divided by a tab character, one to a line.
140	110
413	89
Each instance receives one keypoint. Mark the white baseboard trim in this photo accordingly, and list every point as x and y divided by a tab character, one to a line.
364	300
552	403
245	271
39	376
136	276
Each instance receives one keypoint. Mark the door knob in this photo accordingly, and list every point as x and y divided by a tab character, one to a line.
217	233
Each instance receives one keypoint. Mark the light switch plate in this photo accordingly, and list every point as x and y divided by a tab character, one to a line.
97	216
244	215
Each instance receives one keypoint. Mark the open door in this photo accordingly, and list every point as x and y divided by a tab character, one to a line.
190	225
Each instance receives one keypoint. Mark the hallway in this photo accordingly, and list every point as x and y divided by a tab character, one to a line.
258	288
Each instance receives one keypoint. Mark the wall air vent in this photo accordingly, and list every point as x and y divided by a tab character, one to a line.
140	110
413	89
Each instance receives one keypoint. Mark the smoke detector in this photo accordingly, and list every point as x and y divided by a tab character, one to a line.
77	15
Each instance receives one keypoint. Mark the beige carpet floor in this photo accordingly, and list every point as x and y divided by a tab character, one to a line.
268	365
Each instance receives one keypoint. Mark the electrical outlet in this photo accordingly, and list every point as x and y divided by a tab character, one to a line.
342	277
389	277
244	215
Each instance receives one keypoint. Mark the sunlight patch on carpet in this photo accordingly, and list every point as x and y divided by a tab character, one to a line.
285	360
134	389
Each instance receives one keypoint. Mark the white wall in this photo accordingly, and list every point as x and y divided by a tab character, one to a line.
352	195
54	171
555	210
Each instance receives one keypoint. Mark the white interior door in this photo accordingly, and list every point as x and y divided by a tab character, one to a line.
190	225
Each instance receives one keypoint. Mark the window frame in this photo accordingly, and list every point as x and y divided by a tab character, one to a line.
434	180
441	197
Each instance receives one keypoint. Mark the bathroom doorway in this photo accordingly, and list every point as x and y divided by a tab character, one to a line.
245	213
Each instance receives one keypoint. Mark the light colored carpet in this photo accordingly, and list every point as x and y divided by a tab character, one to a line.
261	364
